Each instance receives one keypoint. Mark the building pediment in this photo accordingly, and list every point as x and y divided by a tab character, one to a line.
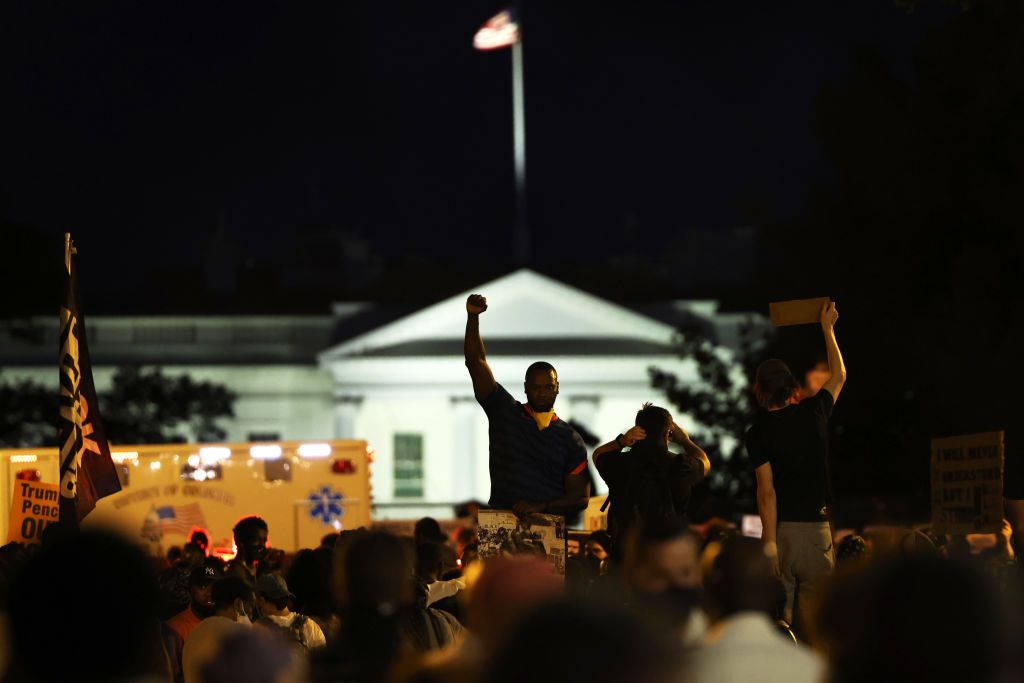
525	309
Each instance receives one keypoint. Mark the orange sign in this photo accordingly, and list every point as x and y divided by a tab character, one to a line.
34	507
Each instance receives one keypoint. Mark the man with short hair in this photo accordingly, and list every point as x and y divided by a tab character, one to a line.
788	448
743	642
430	566
537	461
250	535
647	482
232	600
200	588
274	599
663	574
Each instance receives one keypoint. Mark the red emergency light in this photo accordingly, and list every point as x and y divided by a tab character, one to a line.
343	466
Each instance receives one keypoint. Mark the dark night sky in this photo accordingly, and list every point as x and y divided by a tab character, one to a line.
136	124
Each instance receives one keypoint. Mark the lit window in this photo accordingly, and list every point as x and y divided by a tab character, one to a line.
408	465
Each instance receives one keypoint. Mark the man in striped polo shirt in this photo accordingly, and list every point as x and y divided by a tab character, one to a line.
537	461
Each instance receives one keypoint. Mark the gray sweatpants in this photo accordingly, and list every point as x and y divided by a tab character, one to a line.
806	557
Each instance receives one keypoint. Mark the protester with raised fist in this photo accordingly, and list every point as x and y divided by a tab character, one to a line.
537	461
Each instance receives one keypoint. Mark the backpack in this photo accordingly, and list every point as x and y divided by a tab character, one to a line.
294	632
646	495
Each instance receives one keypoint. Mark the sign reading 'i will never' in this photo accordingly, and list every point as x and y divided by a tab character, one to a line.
967	483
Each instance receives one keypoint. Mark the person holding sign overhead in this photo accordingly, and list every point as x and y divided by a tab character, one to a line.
537	462
788	448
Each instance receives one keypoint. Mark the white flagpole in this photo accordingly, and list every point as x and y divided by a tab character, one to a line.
522	233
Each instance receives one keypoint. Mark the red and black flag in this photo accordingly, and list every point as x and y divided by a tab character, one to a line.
87	472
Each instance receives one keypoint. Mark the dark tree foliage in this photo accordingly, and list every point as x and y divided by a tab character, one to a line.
722	405
146	406
28	414
920	241
142	406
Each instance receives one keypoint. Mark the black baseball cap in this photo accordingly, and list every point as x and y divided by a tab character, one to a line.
203	576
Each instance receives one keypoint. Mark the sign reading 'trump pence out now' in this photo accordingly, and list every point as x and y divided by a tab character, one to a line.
34	507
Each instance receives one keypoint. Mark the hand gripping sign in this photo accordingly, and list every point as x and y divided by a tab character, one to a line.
34	506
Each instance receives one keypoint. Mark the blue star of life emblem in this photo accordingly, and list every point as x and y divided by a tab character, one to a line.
325	505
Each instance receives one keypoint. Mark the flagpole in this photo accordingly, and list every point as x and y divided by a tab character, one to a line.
522	231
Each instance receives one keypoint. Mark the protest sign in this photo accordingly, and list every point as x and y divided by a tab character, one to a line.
967	483
34	506
796	311
501	532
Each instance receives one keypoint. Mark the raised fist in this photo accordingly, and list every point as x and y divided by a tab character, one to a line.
476	304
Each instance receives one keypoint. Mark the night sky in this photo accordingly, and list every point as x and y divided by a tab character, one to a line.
141	127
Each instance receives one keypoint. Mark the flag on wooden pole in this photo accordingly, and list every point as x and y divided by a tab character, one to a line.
87	472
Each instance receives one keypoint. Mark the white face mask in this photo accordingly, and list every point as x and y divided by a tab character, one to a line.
243	618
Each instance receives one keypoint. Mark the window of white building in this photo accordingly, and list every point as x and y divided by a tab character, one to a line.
408	466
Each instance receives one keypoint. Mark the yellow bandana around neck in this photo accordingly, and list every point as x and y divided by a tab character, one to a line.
543	420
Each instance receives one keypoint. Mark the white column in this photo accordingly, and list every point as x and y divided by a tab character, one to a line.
464	476
346	409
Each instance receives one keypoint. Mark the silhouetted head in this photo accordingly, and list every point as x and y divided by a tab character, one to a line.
912	619
738	577
201	539
232	597
251	538
656	422
86	585
541	386
376	572
429	561
774	384
623	646
428	530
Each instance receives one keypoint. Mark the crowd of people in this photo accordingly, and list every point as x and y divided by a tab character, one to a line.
372	606
650	599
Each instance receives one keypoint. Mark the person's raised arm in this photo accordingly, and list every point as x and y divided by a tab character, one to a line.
476	354
631	436
680	436
829	316
769	513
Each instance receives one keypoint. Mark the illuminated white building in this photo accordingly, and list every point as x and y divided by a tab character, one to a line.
397	378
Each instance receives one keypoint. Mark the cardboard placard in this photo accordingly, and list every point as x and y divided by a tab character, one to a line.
501	532
34	506
796	311
967	483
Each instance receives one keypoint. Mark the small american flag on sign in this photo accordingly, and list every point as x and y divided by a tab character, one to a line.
175	519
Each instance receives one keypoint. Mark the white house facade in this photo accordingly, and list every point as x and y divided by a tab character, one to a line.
397	378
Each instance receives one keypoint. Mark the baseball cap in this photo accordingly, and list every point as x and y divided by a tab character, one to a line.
273	586
203	576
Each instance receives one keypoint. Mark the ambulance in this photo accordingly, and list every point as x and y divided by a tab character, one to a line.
304	490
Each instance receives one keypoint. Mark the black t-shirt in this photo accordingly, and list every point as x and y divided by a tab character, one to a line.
647	471
528	463
795	441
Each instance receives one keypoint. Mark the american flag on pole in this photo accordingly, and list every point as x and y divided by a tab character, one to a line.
179	519
87	472
501	30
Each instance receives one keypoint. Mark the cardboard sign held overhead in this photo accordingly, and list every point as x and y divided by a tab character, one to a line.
967	484
34	506
796	311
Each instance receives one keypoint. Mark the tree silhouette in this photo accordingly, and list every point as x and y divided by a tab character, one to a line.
721	405
142	406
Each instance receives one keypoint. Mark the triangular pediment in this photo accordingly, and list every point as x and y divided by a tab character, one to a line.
521	305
